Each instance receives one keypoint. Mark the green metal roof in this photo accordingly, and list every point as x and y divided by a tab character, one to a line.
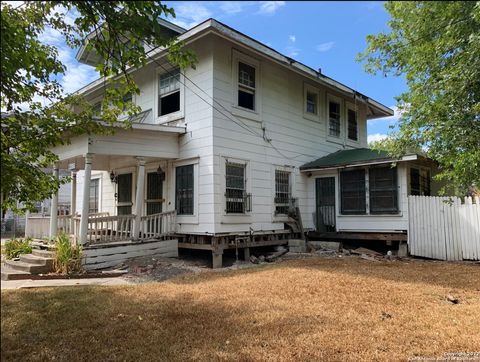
347	157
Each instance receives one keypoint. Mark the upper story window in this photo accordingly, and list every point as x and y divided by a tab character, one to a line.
282	191
246	86
237	200
169	93
352	125
184	190
311	102
334	119
97	109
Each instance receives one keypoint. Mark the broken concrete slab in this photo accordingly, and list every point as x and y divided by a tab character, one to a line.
327	245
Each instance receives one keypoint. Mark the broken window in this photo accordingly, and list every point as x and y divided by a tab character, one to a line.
169	93
383	190
352	192
237	200
334	119
282	192
184	190
246	86
311	106
352	125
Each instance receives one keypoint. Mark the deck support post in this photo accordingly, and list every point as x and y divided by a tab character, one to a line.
73	201
217	259
139	197
246	254
54	209
85	199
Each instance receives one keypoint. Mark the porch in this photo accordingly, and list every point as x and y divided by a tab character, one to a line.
132	165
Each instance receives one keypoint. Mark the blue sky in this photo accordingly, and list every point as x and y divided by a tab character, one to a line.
326	35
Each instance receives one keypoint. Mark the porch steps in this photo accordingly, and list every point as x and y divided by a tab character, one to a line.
39	262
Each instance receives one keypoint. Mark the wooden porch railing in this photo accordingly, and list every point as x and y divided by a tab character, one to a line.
157	225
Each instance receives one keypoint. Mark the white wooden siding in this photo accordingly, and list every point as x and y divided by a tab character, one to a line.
444	228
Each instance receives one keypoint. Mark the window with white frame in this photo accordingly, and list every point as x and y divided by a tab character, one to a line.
283	192
383	192
334	119
94	195
352	125
184	190
236	198
246	86
169	92
311	102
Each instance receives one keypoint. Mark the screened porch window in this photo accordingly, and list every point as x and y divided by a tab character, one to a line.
334	119
246	86
420	182
184	190
352	125
236	198
94	196
383	190
169	93
282	192
352	192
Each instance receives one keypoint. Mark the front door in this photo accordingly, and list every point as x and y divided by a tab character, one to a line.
124	194
325	204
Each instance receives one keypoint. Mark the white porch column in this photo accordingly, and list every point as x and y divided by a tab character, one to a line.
73	201
85	199
139	196
54	210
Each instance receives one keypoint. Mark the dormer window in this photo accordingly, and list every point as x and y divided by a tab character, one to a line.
169	93
246	86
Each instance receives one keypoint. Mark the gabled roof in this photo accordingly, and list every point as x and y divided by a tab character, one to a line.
355	157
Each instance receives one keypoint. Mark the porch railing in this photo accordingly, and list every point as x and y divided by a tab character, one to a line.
157	225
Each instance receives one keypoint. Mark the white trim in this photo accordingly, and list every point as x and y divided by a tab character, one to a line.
307	88
341	138
230	217
353	107
171	117
292	184
187	219
99	177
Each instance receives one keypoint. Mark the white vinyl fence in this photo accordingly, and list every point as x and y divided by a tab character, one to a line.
444	228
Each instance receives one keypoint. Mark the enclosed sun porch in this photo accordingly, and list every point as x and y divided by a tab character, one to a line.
117	188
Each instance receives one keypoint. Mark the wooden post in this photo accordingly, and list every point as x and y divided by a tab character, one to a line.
139	196
54	210
73	201
246	254
85	199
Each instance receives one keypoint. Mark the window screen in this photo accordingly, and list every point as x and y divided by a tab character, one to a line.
184	190
383	190
282	191
352	192
235	195
246	86
334	119
352	125
169	93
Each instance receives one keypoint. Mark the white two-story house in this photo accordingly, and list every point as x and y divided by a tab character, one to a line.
222	153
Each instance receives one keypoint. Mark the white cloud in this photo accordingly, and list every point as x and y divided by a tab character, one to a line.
376	137
233	7
292	38
190	14
325	47
270	7
77	76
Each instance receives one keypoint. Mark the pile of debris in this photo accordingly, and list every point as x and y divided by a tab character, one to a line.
335	249
269	258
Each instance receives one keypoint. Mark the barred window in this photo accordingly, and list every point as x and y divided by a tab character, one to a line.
383	190
352	192
246	86
282	191
169	93
94	196
334	119
311	106
352	125
184	190
237	200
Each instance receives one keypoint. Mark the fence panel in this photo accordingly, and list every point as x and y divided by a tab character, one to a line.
444	228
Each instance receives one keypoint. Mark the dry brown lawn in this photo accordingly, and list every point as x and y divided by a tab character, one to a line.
317	309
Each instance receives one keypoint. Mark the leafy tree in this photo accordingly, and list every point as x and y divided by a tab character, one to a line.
436	46
30	71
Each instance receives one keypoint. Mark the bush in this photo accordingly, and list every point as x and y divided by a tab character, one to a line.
67	256
15	247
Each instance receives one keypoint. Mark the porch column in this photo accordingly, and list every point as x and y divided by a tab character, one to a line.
139	196
54	210
73	201
85	199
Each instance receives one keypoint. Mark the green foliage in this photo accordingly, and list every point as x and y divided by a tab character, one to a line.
67	256
436	47
15	247
30	72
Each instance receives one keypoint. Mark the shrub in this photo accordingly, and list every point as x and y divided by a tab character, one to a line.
67	256
15	247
